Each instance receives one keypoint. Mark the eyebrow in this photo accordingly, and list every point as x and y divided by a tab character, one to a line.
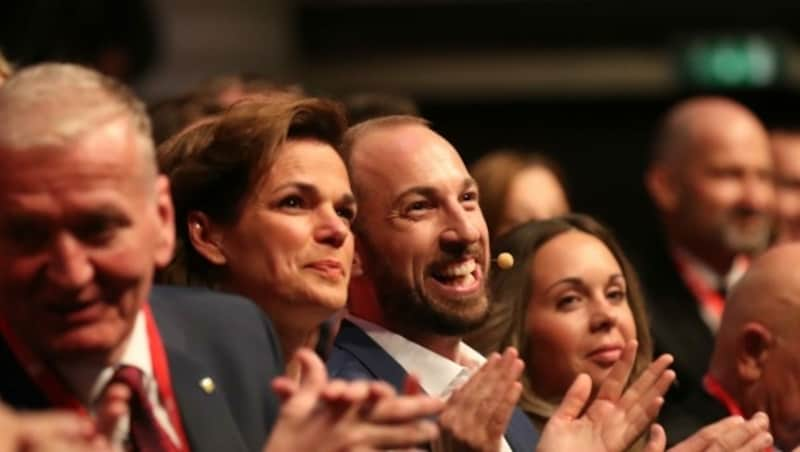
578	281
307	188
428	191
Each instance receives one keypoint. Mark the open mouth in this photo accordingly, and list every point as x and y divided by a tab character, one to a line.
463	275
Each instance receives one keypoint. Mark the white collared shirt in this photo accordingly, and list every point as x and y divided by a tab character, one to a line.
89	385
437	375
713	280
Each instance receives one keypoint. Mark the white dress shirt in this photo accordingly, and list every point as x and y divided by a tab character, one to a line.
437	375
89	384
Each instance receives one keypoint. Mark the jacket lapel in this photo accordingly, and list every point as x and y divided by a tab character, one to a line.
16	387
206	417
379	363
520	434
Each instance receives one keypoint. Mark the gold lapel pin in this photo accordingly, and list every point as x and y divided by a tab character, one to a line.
207	384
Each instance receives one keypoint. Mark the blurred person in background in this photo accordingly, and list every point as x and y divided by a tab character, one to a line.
711	180
212	97
517	187
755	365
361	107
264	206
786	154
571	303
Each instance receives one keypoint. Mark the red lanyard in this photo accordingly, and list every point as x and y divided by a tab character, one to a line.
706	295
716	390
158	356
60	396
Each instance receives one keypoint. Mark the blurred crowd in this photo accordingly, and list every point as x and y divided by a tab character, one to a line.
245	267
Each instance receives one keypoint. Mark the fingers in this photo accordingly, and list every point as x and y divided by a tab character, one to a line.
404	408
346	392
56	424
404	435
113	406
643	399
312	370
658	439
750	436
481	395
653	382
478	387
284	387
58	432
505	409
705	436
731	433
575	399
612	386
302	397
411	385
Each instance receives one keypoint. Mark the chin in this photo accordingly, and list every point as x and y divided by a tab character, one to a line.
328	301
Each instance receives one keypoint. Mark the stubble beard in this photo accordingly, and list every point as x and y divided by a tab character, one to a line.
411	309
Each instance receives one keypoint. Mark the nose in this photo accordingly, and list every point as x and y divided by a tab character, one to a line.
331	229
463	228
758	193
69	266
604	316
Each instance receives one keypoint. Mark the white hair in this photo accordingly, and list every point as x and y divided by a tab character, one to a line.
51	105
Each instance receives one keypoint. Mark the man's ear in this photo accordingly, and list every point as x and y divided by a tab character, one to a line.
752	351
165	219
205	237
660	183
358	261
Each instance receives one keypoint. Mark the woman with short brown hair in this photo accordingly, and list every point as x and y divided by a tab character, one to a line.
263	206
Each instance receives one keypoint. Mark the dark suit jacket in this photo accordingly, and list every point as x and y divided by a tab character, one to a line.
205	334
675	322
356	356
683	418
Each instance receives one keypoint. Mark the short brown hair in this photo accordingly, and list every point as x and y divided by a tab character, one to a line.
215	164
6	69
494	173
511	289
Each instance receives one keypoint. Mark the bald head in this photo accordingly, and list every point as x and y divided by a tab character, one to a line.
755	357
769	293
703	122
418	222
711	179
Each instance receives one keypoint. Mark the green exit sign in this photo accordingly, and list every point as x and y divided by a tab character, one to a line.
741	61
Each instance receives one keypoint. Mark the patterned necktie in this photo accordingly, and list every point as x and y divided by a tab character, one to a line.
145	433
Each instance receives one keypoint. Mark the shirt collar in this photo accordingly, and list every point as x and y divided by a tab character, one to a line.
707	275
437	375
88	381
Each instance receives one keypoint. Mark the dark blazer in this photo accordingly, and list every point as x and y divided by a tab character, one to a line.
683	418
356	356
675	322
205	334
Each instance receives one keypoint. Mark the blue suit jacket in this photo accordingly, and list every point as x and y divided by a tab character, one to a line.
205	334
356	356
